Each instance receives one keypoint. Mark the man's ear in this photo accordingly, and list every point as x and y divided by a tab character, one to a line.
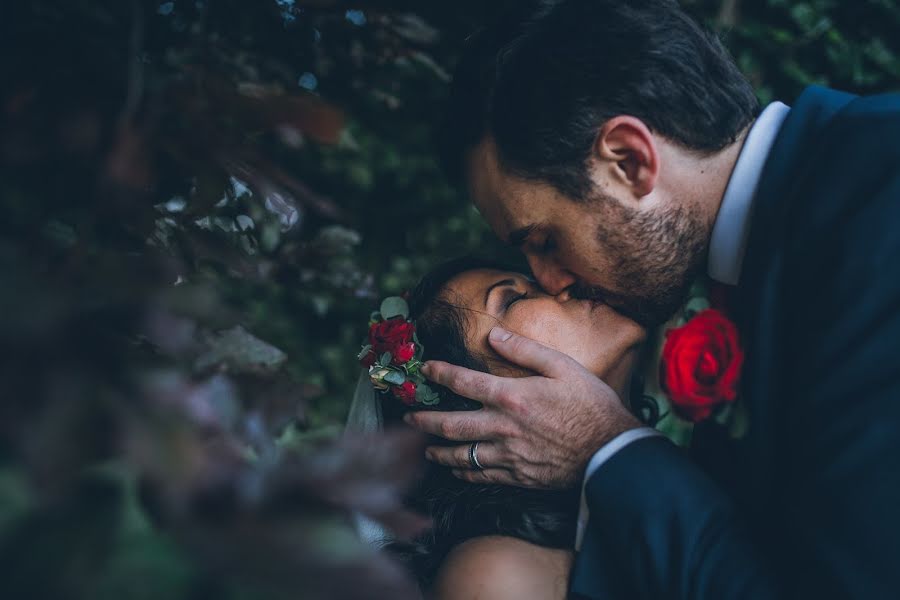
627	146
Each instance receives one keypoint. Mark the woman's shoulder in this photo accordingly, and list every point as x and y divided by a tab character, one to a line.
503	567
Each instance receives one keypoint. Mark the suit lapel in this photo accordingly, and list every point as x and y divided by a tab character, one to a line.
758	307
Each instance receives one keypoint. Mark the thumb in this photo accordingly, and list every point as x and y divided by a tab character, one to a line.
530	354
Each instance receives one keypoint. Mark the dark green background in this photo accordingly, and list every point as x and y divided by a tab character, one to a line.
122	123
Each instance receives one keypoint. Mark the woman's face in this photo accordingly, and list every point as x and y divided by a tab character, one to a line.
599	338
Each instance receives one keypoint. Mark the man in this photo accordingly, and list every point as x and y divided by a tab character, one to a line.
618	145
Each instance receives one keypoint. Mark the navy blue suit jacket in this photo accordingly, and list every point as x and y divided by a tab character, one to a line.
807	505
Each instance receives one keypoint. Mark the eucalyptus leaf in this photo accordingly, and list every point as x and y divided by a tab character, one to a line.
395	378
364	352
422	392
394	306
425	395
386	358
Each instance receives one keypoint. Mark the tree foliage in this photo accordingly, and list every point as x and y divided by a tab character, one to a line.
202	202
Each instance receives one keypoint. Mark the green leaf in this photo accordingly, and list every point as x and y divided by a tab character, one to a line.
375	316
395	378
386	359
365	350
422	392
394	306
425	395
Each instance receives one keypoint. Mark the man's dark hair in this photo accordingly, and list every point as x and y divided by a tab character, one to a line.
543	78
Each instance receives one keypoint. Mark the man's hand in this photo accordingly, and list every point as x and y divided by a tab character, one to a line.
535	432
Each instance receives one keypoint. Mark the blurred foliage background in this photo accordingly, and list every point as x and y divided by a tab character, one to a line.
202	201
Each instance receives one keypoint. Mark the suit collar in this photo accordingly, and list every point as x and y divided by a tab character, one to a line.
811	112
729	235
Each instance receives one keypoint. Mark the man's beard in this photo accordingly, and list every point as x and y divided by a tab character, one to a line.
655	258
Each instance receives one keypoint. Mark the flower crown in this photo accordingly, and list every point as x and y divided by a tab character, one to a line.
393	355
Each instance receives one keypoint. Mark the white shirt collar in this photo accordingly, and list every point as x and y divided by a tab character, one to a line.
729	235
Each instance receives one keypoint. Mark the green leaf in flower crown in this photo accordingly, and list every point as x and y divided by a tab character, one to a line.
386	359
375	316
425	395
395	306
395	378
365	350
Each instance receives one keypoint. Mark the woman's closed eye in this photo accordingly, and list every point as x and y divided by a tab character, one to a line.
512	297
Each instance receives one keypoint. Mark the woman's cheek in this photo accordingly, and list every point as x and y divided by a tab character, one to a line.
550	332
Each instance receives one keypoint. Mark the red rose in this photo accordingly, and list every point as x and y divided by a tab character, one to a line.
404	353
406	393
388	336
701	365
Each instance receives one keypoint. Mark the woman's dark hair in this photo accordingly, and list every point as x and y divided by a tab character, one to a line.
461	511
543	78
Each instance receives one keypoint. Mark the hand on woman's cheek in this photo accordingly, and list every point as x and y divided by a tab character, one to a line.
600	339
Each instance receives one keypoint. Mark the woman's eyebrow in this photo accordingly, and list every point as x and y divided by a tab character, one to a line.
501	283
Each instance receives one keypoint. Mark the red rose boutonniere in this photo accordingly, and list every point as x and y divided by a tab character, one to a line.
701	365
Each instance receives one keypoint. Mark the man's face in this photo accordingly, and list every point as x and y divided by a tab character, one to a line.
640	261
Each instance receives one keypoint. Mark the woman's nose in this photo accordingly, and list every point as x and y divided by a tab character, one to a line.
554	279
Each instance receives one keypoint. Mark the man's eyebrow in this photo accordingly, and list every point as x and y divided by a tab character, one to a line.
500	283
518	237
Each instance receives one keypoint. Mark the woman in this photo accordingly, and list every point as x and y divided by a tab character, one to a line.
496	541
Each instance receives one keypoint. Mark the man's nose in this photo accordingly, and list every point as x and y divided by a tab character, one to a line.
553	278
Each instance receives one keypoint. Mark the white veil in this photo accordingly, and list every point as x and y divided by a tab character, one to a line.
365	410
365	417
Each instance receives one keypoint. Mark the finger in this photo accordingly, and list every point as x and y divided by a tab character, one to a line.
530	354
497	476
475	385
458	456
460	426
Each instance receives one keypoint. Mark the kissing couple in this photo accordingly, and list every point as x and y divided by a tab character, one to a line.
616	143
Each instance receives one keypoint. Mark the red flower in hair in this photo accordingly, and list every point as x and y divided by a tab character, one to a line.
406	393
404	353
388	336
